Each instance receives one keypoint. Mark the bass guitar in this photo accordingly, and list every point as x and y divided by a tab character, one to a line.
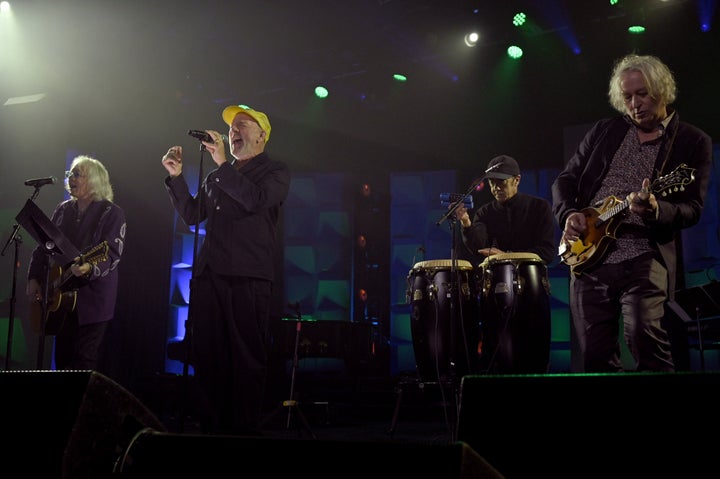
603	221
62	295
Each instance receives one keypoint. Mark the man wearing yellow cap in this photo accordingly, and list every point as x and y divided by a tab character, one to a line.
231	291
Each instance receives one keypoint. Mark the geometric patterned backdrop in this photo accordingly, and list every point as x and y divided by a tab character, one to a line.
349	250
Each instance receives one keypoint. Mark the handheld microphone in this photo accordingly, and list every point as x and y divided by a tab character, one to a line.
205	136
38	182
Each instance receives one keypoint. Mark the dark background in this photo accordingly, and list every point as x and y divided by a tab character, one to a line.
124	80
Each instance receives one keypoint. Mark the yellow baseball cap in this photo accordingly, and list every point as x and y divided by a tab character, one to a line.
229	113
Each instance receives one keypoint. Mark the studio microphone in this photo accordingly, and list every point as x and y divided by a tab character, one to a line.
38	182
495	166
446	199
205	136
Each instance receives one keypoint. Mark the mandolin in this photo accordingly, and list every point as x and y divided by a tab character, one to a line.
603	221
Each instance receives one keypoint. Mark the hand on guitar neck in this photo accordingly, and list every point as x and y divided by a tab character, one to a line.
62	294
643	202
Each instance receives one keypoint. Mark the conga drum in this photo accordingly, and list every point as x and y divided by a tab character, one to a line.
514	301
444	319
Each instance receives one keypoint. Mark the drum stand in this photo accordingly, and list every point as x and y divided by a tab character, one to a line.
292	404
417	383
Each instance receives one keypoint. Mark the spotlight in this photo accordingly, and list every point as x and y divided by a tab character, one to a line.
321	92
514	52
519	19
471	39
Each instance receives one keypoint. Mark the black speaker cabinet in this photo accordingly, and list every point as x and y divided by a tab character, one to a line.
157	454
67	424
593	425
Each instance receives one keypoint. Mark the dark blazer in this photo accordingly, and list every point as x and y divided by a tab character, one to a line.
242	209
103	221
581	178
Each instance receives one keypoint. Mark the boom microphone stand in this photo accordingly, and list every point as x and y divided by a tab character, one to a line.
54	243
17	239
455	292
455	318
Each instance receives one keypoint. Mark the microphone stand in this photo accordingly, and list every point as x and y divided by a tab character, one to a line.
454	291
188	339
17	239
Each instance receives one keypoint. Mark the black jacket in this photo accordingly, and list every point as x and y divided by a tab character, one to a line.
577	184
522	224
242	209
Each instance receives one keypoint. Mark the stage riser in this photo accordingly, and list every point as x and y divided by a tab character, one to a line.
615	424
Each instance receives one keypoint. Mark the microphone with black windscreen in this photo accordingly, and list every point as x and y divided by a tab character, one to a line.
205	136
38	182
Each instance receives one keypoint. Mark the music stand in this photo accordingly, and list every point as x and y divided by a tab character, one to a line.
702	301
55	244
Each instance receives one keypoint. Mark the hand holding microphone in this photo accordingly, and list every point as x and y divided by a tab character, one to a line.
213	142
206	137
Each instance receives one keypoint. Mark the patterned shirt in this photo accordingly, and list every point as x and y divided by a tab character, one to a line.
633	161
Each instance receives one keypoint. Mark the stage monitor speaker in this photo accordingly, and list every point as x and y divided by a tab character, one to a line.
592	425
157	454
67	424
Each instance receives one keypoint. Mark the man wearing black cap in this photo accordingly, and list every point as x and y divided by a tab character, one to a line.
515	230
514	222
231	290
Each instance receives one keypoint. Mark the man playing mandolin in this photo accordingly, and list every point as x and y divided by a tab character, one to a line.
634	182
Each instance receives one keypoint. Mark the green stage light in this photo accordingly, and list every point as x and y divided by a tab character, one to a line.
399	77
636	29
519	19
514	52
321	92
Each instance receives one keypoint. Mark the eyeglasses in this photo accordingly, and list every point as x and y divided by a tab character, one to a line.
74	174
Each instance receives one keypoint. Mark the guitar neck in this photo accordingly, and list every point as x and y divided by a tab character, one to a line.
62	278
614	210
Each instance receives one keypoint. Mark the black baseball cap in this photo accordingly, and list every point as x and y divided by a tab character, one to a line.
502	167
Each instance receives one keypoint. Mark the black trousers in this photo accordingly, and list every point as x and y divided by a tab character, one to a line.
78	347
229	321
634	291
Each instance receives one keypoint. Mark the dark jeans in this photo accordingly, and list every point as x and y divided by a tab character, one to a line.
634	290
